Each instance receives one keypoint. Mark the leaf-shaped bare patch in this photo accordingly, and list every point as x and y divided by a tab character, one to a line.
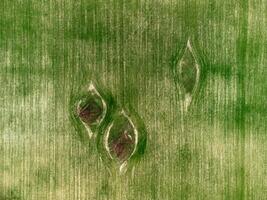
188	74
121	139
91	109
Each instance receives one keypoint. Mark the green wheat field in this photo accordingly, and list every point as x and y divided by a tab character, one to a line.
51	50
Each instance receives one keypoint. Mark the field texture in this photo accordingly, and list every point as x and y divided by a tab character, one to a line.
190	75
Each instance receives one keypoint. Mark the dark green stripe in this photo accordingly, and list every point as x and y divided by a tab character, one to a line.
241	94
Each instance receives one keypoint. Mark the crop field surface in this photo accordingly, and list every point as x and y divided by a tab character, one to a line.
133	99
